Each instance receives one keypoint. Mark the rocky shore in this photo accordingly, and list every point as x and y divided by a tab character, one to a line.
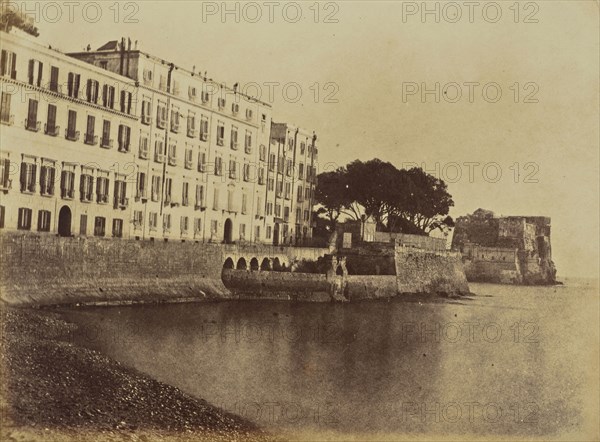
52	389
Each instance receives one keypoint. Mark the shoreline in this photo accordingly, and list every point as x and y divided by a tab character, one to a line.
53	389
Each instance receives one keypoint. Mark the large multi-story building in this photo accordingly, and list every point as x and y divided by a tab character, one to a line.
118	142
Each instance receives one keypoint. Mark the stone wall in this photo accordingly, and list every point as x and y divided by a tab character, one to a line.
424	271
47	269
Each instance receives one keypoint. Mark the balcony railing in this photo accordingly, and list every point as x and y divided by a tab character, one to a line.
106	143
91	139
72	135
32	125
51	130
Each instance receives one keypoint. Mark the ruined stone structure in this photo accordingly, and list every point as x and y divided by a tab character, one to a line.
509	250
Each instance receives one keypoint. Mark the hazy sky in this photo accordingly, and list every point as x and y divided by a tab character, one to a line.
361	56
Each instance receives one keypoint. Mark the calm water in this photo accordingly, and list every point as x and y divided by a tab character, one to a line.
515	361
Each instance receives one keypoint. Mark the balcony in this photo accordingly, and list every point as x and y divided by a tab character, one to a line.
121	203
7	119
91	139
106	143
51	130
72	135
32	125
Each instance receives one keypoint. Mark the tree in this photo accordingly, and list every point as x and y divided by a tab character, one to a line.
10	18
331	193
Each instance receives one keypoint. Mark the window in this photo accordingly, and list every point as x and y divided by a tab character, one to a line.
104	64
143	153
83	225
92	91
286	213
218	166
147	76
191	125
216	199
185	190
2	210
173	155
8	64
307	193
280	163
192	93
5	181
279	188
259	206
108	96
262	152
220	134
159	151
28	174
124	138
189	158
230	205
235	108
288	190
67	183
138	219
72	133
301	170
197	227
244	203
51	128
199	196
153	221
202	162
221	102
140	188
306	215
161	115
270	184
162	83
232	169
73	85
89	137
117	228
102	190
54	79
86	185
269	209
146	112
204	129
24	221
5	115
272	162
125	102
166	222
261	176
155	191
289	167
167	190
302	147
185	225
257	233
43	221
214	226
298	216
242	231
175	90
246	172
248	142
106	141
278	210
32	123
234	138
268	232
36	70
175	120
120	200
248	114
99	226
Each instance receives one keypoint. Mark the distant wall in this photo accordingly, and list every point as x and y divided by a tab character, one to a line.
418	241
53	270
359	287
422	271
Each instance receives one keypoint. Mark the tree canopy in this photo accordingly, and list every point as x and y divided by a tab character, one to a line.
10	18
398	200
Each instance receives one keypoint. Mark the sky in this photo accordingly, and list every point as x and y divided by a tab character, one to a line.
498	99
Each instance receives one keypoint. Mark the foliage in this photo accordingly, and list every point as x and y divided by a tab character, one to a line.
398	200
10	18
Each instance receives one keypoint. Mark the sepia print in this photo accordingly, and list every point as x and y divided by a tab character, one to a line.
299	220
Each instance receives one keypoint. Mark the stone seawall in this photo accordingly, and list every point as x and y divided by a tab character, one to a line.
424	271
45	270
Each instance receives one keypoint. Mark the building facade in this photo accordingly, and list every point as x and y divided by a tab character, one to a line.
117	142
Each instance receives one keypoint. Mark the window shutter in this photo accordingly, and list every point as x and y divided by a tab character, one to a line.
82	186
30	72
104	95
3	62
43	180
32	181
